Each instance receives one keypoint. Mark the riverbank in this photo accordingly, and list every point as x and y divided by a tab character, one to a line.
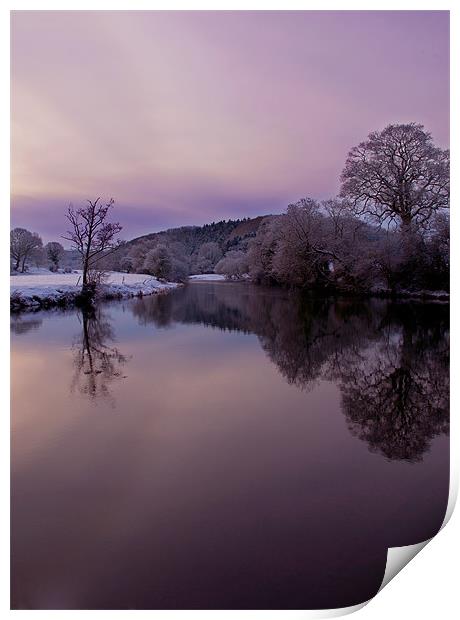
39	291
207	277
377	291
403	294
44	289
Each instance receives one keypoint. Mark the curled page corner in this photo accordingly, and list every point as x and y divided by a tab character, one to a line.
398	557
453	494
342	611
285	614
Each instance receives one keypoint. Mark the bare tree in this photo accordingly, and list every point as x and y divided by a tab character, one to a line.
305	250
54	251
138	252
127	264
22	245
91	235
208	256
234	264
397	175
262	250
158	262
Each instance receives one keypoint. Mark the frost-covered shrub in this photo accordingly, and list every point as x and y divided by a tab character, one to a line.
158	262
234	264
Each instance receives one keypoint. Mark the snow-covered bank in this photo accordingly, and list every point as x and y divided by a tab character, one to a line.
207	277
51	289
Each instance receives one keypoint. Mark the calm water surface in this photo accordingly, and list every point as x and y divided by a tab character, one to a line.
224	446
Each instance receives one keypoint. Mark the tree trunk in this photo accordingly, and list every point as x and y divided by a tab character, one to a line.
408	238
88	289
85	274
406	224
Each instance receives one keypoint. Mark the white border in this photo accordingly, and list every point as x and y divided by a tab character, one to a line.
430	586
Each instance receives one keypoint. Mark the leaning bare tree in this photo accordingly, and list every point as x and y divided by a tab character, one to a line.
397	175
91	235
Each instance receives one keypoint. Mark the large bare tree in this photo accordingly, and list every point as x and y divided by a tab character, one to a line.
91	234
397	175
23	243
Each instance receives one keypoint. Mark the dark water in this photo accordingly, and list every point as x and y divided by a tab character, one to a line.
224	446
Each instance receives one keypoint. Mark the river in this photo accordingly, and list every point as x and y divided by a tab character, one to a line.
224	446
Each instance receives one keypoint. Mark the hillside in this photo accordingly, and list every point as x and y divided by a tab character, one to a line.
224	232
194	249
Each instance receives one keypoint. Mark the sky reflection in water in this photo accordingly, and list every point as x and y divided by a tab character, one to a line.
224	446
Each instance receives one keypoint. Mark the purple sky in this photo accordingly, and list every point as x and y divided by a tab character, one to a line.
189	117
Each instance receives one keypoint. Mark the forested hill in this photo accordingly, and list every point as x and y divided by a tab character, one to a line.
226	233
187	249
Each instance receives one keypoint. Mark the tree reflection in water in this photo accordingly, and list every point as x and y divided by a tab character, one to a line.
96	363
396	395
390	360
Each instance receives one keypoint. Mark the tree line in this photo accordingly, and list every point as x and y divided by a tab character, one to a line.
388	229
27	248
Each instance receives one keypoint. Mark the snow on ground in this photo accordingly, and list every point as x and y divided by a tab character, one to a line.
47	288
47	278
207	277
